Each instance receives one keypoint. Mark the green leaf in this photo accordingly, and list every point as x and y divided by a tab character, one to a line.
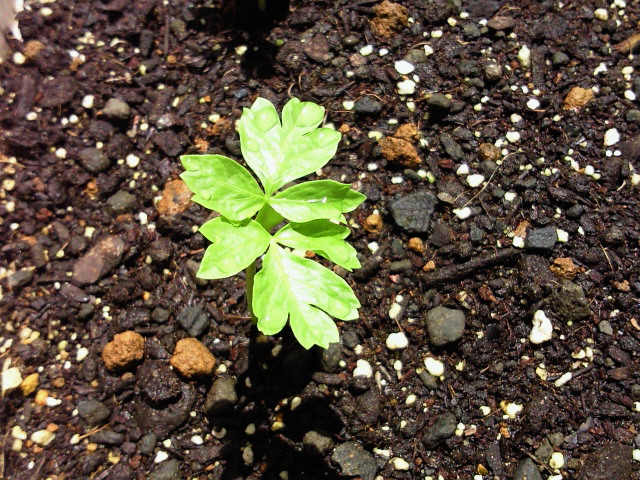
269	218
303	291
323	237
316	199
221	184
307	154
300	118
259	129
234	246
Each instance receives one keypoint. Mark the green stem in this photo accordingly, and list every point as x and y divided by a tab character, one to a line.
250	272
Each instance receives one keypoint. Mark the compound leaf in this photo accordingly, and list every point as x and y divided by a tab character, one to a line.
323	237
234	246
303	291
221	184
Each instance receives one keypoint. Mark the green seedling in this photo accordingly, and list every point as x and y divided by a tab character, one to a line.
287	287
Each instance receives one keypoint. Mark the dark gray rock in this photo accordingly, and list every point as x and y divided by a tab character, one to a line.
527	470
439	102
443	428
121	202
148	443
568	303
160	315
367	106
413	212
98	261
93	412
451	147
169	470
633	116
317	443
118	147
169	143
544	451
194	320
330	358
101	130
353	459
428	380
400	266
445	325
541	239
317	49
610	461
21	278
116	109
221	397
492	72
160	250
107	437
158	383
94	160
559	59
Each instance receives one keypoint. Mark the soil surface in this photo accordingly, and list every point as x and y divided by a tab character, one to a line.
498	145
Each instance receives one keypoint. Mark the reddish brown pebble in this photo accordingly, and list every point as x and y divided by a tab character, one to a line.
416	245
124	350
488	151
373	223
191	358
399	151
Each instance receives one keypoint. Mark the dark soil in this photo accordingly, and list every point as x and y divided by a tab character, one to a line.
182	72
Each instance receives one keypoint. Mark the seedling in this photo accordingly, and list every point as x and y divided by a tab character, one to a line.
287	286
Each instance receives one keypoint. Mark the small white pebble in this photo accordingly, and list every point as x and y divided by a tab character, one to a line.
81	354
601	14
611	137
406	87
132	160
533	104
366	50
524	57
436	34
462	213
52	402
600	69
518	242
563	379
511	409
348	105
161	456
428	50
411	399
372	167
42	437
562	235
510	196
403	67
400	464
515	118
556	461
373	247
383	51
629	95
197	440
397	341
363	369
475	180
513	137
463	170
31	116
636	454
542	330
87	101
434	366
46	11
61	153
394	310
19	58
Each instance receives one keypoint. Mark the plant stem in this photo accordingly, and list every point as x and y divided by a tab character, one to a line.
250	272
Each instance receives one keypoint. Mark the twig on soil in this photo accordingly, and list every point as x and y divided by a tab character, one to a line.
535	459
38	468
4	443
455	272
91	432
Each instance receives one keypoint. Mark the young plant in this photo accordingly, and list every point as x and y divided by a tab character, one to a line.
287	286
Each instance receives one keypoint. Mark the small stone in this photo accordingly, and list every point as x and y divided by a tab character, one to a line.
568	303
354	460
564	267
524	57
451	147
415	244
513	137
367	105
434	366
527	470
611	137
29	384
316	443
601	14
94	160
32	49
98	261
42	437
176	198
121	202
608	462
221	397
403	67
123	351
542	330
492	72
107	437
21	278
373	223
475	180
445	325
389	19
400	464
439	103
148	443
11	379
413	212
605	327
169	470
192	358
406	87
397	341
408	132
443	428
399	151
363	369
577	98
158	383
194	320
93	412
541	239
560	59
116	109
